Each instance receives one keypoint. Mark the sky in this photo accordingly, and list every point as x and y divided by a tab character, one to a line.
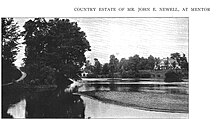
125	37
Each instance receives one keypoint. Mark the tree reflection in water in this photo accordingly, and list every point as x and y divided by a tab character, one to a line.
45	104
10	96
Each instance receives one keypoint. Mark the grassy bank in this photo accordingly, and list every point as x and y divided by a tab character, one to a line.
147	101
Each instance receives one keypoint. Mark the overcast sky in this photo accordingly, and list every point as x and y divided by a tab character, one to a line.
126	37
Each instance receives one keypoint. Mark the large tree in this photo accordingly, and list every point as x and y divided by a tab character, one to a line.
97	67
151	62
105	69
134	63
183	62
89	68
113	65
142	64
57	44
176	56
10	37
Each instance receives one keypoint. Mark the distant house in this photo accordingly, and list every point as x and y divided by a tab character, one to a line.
166	63
171	61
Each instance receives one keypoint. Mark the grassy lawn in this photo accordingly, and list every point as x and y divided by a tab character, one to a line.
144	100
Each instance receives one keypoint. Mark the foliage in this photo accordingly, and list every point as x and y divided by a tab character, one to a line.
98	67
91	75
57	45
176	56
174	64
172	76
126	68
151	62
89	68
166	63
40	74
113	63
105	69
10	37
133	64
140	67
183	62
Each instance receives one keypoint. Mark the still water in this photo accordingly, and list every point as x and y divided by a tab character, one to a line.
43	105
135	85
97	109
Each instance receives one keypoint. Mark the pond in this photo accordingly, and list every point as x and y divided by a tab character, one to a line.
97	109
43	104
138	85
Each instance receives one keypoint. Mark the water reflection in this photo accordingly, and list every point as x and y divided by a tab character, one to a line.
135	86
43	104
46	105
18	109
97	109
11	95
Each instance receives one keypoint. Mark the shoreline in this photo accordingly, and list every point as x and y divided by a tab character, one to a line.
119	98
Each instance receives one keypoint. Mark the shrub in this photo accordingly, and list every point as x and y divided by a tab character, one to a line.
91	75
172	76
145	75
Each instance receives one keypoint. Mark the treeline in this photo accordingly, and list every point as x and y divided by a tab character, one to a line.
10	37
135	66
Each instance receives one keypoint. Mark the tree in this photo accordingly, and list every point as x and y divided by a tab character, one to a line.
157	62
174	64
57	43
10	37
176	56
133	63
123	65
113	63
142	64
183	62
98	67
89	68
105	69
151	62
166	63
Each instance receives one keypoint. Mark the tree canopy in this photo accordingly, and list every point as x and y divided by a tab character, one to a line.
98	67
57	44
10	37
113	63
136	66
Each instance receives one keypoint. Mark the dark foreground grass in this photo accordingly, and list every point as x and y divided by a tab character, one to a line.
150	101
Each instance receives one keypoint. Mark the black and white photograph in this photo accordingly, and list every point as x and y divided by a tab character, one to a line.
118	59
95	67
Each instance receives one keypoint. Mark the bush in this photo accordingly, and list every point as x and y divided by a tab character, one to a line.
172	76
91	76
145	75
